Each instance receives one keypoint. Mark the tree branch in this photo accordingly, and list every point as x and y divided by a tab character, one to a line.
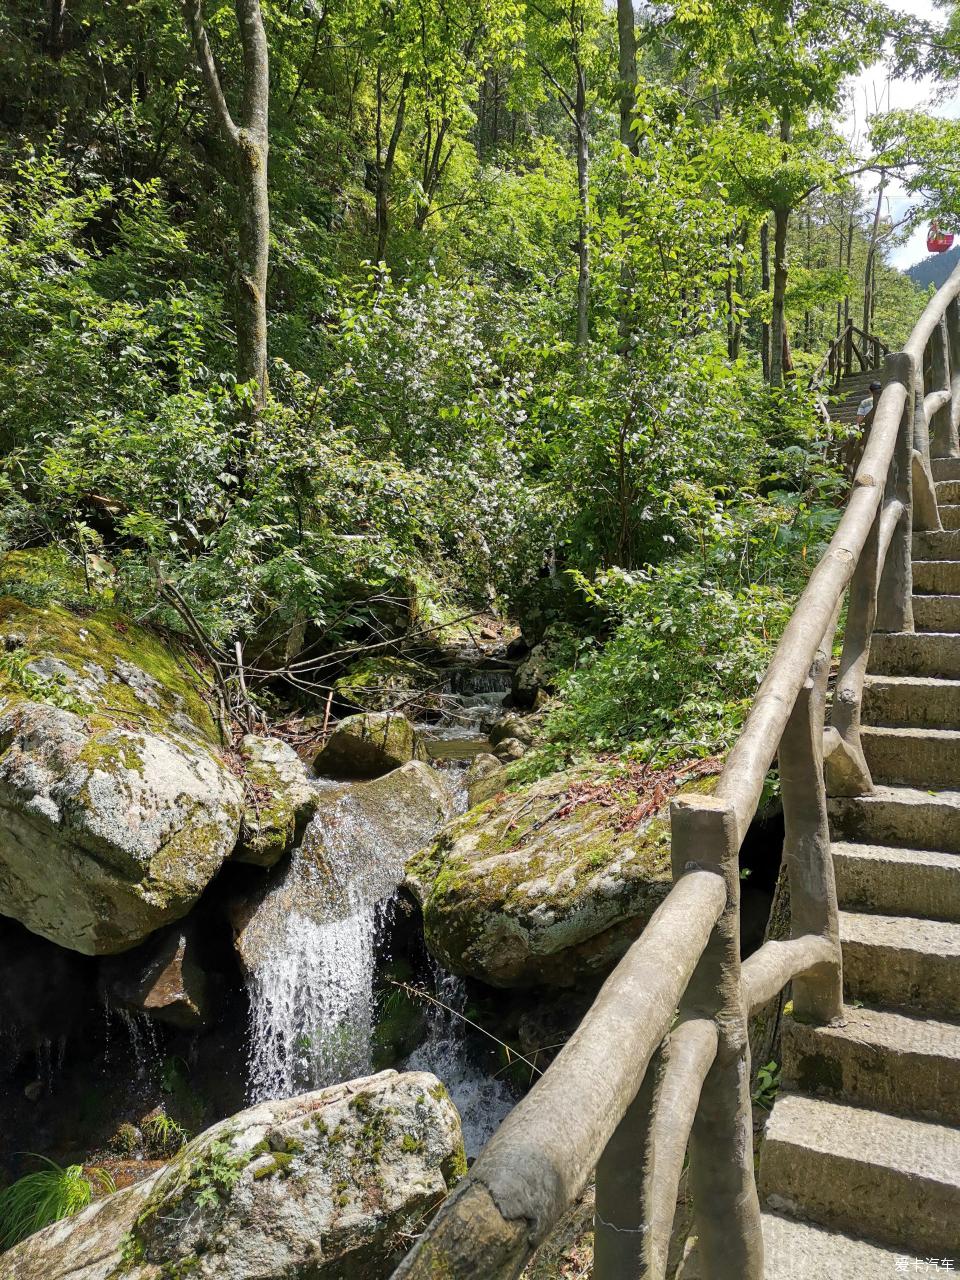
193	14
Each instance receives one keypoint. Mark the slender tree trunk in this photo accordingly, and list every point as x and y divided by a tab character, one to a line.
56	16
778	325
737	334
765	286
386	160
583	190
870	268
627	70
248	140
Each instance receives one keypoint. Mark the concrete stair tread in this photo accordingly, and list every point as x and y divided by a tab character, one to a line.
909	817
888	1178
905	933
912	754
897	853
894	1030
795	1250
915	653
916	1148
944	736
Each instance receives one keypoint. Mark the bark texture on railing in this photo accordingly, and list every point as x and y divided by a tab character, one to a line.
660	1064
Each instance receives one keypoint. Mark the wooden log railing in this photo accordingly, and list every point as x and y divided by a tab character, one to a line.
838	361
660	1064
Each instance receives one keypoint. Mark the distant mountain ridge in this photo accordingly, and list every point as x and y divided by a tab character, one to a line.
935	269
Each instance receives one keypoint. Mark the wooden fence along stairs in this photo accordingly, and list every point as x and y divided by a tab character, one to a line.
860	1165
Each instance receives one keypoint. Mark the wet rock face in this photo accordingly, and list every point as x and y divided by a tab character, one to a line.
280	799
324	1185
167	983
116	804
543	885
369	745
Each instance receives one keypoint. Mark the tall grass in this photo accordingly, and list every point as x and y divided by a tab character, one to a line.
49	1194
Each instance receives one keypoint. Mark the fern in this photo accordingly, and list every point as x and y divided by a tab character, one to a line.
49	1194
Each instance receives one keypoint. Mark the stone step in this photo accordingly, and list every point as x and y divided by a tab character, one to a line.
916	757
901	961
950	515
905	816
936	577
948	491
937	545
945	468
893	881
796	1250
911	702
901	1063
915	653
936	612
890	1179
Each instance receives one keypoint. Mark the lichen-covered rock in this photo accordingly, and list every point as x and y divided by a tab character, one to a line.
484	778
280	798
165	980
548	884
324	1185
512	726
383	684
116	803
509	749
368	745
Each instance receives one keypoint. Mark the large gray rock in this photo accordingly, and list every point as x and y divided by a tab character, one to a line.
280	798
322	1186
546	884
117	805
369	745
164	979
106	834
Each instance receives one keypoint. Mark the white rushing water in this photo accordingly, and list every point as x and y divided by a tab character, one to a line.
314	943
482	1099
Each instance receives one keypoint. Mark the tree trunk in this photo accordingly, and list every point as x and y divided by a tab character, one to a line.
778	325
870	268
385	162
765	286
56	15
583	191
248	141
627	69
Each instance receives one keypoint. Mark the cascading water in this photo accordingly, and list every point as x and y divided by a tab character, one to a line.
482	1099
310	945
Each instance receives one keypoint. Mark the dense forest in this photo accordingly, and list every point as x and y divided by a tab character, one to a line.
305	305
361	357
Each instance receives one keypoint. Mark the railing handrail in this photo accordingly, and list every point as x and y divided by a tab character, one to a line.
837	365
627	1094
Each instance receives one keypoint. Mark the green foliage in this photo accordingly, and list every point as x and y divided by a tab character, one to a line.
767	1086
47	1195
164	1133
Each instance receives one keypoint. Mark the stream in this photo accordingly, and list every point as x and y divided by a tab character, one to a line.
318	940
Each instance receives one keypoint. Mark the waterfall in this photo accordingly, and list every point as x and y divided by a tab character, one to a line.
482	1099
310	944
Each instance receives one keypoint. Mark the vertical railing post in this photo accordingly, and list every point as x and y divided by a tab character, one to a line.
622	1206
818	994
705	834
848	350
953	356
941	443
895	592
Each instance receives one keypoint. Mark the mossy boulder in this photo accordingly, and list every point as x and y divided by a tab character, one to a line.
548	884
369	745
324	1185
280	800
117	802
388	683
484	777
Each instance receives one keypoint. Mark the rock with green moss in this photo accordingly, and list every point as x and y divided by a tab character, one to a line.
324	1185
547	884
368	745
117	805
484	777
280	799
387	683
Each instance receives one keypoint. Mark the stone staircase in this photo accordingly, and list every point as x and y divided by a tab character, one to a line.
847	394
860	1165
